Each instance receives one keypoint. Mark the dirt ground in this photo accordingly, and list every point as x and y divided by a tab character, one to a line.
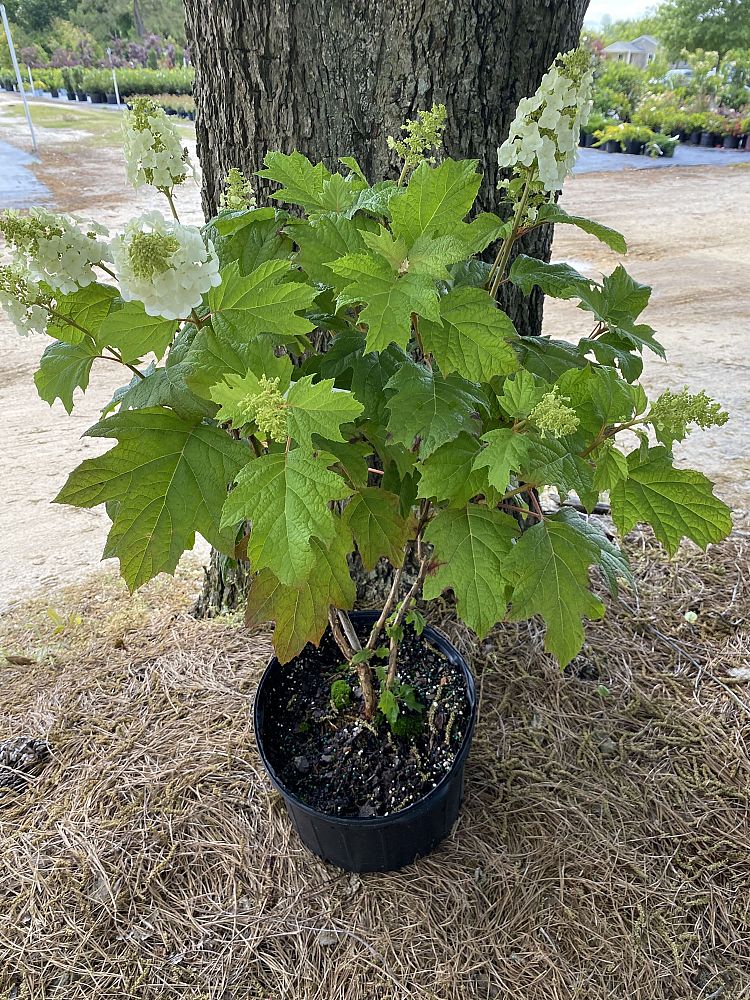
686	238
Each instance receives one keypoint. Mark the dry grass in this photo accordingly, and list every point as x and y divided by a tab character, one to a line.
603	851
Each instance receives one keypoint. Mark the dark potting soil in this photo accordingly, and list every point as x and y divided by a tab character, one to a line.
339	764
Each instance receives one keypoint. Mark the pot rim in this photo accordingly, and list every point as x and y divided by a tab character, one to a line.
373	822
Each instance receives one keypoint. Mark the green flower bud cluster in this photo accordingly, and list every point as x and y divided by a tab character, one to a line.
14	283
267	408
238	192
423	134
142	116
23	232
673	412
25	302
552	416
150	253
575	65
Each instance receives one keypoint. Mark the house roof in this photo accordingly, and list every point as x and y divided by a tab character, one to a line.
623	47
642	43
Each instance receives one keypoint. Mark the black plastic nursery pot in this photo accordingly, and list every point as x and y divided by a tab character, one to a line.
111	99
378	843
612	146
695	138
731	142
635	147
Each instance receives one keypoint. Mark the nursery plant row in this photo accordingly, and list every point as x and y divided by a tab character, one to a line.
79	83
629	137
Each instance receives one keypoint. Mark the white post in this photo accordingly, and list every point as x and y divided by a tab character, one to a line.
114	78
13	59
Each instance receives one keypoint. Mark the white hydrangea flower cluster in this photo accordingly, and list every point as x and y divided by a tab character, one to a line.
21	298
154	153
166	266
54	248
547	126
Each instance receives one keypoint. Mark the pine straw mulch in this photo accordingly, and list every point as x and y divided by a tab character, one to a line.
603	851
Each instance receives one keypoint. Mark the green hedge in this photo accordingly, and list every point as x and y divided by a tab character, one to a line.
153	81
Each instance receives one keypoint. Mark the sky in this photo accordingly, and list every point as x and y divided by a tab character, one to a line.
617	9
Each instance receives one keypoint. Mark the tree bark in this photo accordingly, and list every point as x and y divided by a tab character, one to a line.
338	78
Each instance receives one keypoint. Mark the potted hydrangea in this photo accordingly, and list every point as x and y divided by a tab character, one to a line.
300	387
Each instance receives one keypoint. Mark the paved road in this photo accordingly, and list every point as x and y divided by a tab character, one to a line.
19	187
594	161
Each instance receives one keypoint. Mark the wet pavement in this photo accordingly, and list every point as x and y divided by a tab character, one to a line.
595	161
19	187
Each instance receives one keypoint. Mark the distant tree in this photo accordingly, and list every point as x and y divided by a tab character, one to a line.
626	29
712	25
37	15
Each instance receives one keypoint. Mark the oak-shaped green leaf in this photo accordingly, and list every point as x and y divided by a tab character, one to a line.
133	333
612	561
374	516
561	281
451	472
433	409
677	503
64	368
505	453
319	408
300	612
472	546
549	571
81	312
211	358
259	358
598	394
164	480
286	498
435	199
262	239
325	240
473	337
552	461
610	237
521	393
261	302
611	467
166	387
548	358
302	182
390	298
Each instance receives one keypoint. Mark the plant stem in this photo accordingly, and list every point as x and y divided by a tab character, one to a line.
168	195
107	270
521	510
497	273
347	641
388	606
400	615
68	321
116	357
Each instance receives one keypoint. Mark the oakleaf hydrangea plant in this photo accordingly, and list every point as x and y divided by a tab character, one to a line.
336	375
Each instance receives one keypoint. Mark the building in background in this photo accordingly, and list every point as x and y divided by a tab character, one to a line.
640	52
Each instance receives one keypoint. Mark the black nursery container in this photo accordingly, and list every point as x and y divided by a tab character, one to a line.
635	147
380	843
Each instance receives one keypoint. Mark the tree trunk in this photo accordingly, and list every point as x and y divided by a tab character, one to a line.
338	78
